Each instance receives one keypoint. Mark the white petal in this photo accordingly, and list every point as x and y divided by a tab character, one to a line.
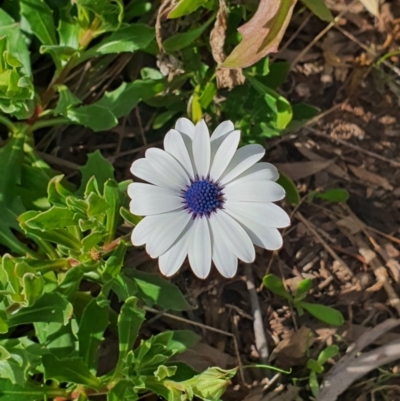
150	199
219	135
144	229
185	126
234	234
254	191
175	146
136	189
201	149
143	169
261	235
200	248
168	230
266	213
243	159
259	172
224	259
170	261
163	161
224	154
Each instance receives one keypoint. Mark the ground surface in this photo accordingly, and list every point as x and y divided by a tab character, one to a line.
351	250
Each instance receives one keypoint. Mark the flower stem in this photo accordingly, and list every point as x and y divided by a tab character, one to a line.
5	121
50	123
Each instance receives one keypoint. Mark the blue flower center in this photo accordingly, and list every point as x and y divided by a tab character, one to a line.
203	197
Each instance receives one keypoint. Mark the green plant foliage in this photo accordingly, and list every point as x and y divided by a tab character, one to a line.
323	313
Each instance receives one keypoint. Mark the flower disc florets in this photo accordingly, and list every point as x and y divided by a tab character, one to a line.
203	197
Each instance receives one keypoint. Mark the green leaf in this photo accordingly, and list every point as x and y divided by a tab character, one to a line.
33	286
127	39
56	338
69	370
40	18
3	322
332	195
122	100
100	15
130	319
117	393
314	366
50	307
302	112
313	383
181	340
292	194
180	40
16	40
54	218
211	384
96	204
66	100
277	74
185	7
327	353
319	8
115	261
93	116
27	392
323	313
68	29
163	118
112	197
93	323
303	288
275	285
129	217
155	290
96	166
281	108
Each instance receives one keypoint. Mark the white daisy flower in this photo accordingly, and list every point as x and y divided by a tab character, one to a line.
206	199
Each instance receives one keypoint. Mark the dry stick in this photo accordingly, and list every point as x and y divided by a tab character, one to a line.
352	366
320	35
209	328
367	49
394	163
324	244
258	327
57	161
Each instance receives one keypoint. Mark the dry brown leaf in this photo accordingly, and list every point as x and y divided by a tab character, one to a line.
350	224
226	78
333	169
202	356
299	170
262	34
371	178
291	351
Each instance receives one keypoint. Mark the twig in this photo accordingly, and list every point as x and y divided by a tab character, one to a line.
394	163
324	244
259	332
320	35
367	49
57	161
352	366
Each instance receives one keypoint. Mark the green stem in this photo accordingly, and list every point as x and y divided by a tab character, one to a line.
50	123
5	121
